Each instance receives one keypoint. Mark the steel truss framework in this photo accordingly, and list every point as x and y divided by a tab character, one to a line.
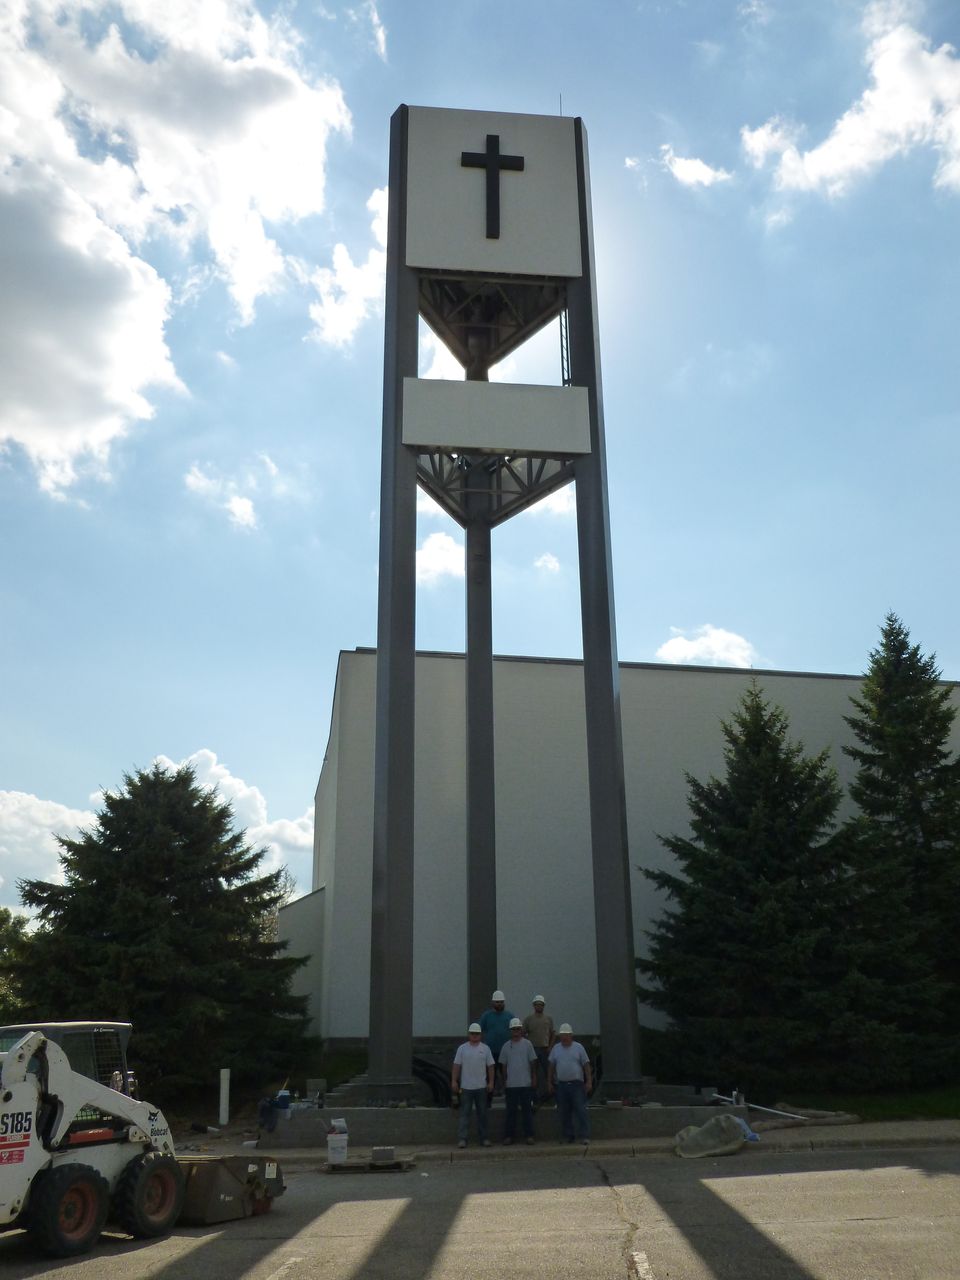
481	320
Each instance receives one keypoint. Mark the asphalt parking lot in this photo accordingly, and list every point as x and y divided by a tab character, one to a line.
769	1215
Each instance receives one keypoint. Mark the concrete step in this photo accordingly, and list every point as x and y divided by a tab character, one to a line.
405	1126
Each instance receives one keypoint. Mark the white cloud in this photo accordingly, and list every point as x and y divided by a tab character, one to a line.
707	645
441	556
124	123
350	292
28	848
366	17
289	841
226	360
241	512
690	172
755	12
435	359
547	563
426	506
231	493
81	328
631	162
29	825
770	139
378	29
562	502
913	101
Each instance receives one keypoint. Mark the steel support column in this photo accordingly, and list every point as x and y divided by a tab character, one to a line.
391	943
619	1024
481	800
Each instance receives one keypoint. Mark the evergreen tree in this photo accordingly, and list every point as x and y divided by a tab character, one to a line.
164	920
13	943
906	848
746	957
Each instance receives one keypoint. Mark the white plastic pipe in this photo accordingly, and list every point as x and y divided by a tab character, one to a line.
755	1106
224	1095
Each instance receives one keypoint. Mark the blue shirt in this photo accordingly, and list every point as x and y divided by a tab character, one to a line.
496	1029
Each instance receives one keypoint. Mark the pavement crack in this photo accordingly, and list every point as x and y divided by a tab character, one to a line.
631	1227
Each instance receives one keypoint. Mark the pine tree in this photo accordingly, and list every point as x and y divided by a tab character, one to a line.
746	957
164	920
14	941
906	846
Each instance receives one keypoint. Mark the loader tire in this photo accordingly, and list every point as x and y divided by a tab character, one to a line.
149	1195
68	1207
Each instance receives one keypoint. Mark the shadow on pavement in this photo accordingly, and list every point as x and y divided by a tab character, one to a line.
368	1226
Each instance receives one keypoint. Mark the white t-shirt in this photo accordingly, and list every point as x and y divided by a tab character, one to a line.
516	1056
473	1060
569	1061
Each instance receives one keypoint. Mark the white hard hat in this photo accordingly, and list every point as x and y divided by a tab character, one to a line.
497	995
515	1022
565	1029
474	1028
538	1000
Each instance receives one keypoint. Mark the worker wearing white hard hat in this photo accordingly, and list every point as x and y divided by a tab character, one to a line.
470	1082
518	1061
571	1078
495	1024
538	1028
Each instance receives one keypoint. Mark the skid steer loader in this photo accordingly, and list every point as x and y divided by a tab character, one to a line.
76	1146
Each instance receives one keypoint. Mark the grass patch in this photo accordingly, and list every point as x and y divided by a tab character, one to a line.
920	1104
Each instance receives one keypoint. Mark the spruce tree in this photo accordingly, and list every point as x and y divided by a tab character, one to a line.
746	958
14	941
163	919
906	847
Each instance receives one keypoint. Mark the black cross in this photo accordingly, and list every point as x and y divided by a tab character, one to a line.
493	162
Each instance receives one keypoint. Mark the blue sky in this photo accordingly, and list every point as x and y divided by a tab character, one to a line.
191	222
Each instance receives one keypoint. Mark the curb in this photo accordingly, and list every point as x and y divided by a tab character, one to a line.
802	1138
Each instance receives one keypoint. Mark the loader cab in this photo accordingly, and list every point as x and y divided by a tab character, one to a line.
97	1050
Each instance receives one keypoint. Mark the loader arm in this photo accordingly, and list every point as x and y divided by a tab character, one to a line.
68	1092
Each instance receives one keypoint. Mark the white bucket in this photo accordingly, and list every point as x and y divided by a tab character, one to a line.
336	1148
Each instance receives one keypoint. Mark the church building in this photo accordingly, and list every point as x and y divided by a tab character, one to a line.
545	931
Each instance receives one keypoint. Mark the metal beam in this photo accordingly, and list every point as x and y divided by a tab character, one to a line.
391	942
619	1023
481	797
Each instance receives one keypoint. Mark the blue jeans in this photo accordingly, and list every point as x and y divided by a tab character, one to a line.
472	1098
572	1106
519	1100
543	1071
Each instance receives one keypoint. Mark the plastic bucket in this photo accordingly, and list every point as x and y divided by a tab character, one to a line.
336	1148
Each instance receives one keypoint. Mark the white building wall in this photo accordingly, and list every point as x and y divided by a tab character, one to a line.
301	928
671	726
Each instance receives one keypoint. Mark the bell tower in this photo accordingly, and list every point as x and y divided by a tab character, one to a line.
490	239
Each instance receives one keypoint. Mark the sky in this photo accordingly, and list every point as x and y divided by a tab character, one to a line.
192	213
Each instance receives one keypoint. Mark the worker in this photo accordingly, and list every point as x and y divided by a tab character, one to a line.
538	1028
471	1081
570	1077
495	1024
518	1059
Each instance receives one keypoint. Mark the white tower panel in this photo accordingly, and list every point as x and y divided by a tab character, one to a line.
539	223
